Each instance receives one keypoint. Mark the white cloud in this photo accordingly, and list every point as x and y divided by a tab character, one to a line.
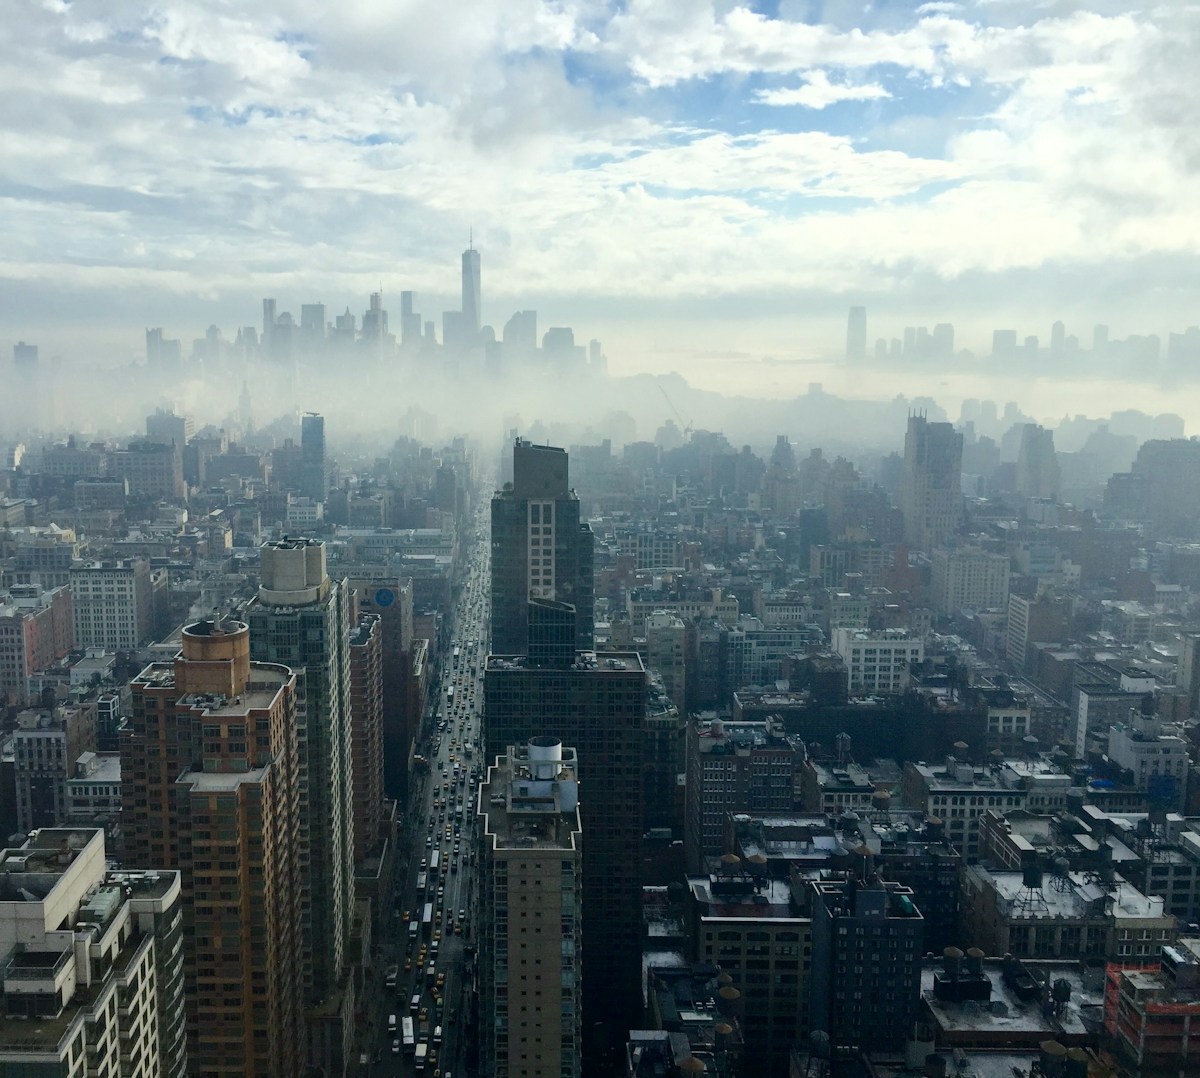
818	93
314	145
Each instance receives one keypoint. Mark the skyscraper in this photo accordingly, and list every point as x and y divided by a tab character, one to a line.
268	319
210	787
314	466
301	618
599	706
1037	464
472	299
531	893
540	549
856	334
931	488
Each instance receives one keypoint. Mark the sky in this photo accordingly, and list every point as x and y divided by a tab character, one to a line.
705	186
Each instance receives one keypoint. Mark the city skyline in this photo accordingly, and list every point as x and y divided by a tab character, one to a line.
695	183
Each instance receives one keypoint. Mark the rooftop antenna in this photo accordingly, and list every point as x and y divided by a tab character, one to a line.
471	238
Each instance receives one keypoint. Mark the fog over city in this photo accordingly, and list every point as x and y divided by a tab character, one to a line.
706	188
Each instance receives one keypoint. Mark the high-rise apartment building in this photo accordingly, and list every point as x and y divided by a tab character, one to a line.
210	785
472	298
301	618
856	334
366	730
112	604
93	983
540	548
387	595
931	486
598	705
314	465
531	896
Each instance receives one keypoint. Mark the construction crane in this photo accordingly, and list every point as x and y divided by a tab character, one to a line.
687	427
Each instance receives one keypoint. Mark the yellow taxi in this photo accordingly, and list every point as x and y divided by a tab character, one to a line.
404	916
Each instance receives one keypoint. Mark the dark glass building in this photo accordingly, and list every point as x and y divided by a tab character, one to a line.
597	705
540	550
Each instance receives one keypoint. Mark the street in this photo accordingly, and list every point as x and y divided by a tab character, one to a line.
432	933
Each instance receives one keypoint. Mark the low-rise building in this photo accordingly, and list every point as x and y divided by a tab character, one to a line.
878	661
1064	914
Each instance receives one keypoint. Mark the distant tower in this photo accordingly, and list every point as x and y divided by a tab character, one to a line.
931	492
1058	339
1037	464
268	318
856	334
245	412
472	300
314	477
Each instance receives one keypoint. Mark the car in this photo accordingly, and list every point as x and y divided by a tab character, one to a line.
458	929
408	965
428	842
441	891
390	977
424	1015
462	913
404	916
395	1046
437	933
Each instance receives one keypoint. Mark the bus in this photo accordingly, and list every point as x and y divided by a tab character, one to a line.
457	652
450	694
427	918
435	860
422	879
407	1033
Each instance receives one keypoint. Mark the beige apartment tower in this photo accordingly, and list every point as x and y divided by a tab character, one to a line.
210	788
530	901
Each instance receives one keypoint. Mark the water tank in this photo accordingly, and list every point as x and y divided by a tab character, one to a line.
716	728
1076	1064
1031	875
952	960
545	757
974	961
1061	990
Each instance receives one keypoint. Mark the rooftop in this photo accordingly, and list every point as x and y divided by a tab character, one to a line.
608	662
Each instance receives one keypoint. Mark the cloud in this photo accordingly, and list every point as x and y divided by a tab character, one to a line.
818	93
600	152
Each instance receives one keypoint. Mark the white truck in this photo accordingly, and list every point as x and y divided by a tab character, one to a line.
421	1056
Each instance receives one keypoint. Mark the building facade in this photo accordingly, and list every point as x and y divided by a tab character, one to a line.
211	788
301	618
112	604
531	898
597	704
93	978
540	549
931	484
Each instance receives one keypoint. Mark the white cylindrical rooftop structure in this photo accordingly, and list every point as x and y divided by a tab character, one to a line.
545	757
